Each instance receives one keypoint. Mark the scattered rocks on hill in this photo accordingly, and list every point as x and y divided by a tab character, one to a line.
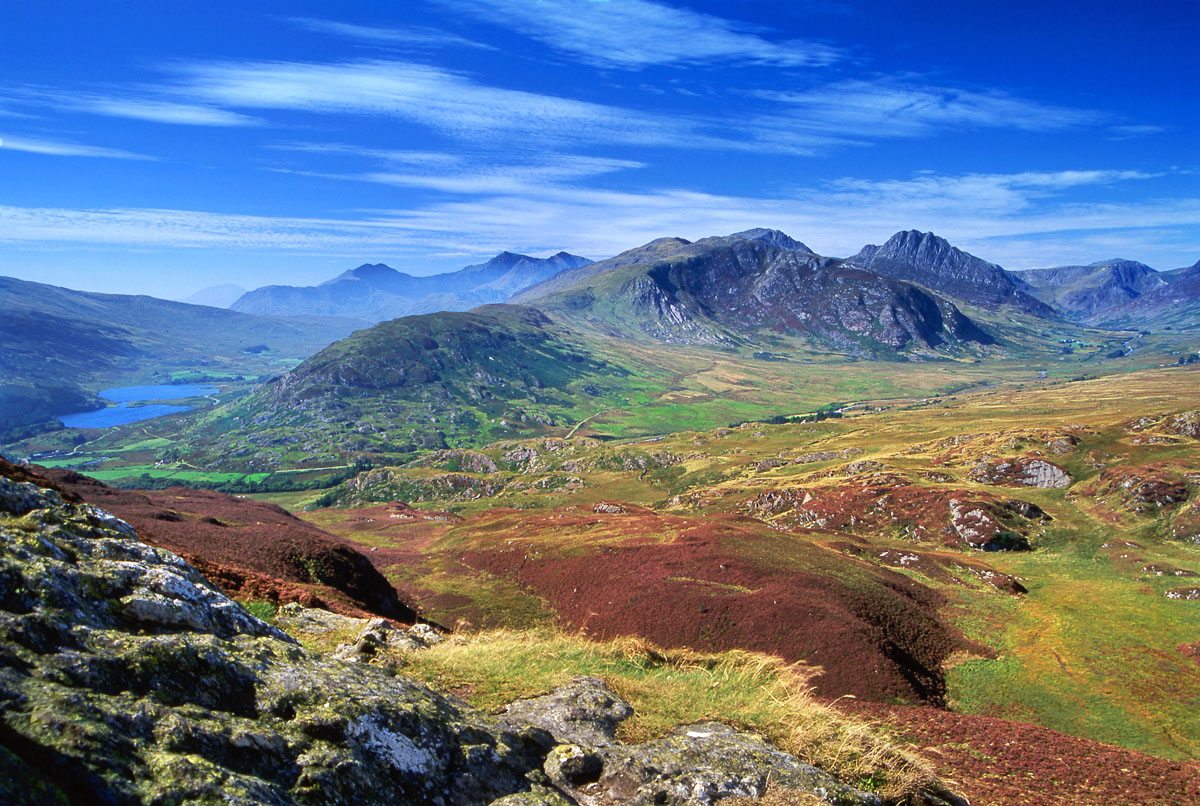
824	456
980	529
1186	523
1153	490
1020	472
126	678
1143	489
609	508
381	634
1182	424
1188	594
1186	424
364	637
886	504
395	484
1162	570
1061	446
461	460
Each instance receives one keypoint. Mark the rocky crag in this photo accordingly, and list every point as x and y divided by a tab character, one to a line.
127	678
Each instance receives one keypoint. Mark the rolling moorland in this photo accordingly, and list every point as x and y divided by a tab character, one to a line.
927	524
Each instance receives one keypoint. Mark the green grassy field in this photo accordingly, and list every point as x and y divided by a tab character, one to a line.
1093	648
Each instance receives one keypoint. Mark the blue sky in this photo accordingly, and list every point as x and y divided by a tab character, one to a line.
164	147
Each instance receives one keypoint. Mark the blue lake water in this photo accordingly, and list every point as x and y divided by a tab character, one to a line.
172	391
123	413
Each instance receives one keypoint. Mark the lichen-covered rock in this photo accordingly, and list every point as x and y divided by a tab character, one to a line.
701	764
126	678
19	497
584	712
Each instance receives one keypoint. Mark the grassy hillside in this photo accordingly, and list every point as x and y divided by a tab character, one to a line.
1089	630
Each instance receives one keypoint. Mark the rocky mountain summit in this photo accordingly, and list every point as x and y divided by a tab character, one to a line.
127	678
924	258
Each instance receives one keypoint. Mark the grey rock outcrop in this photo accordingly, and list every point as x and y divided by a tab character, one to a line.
695	764
1020	473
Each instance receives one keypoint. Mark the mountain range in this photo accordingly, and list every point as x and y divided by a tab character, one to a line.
374	292
727	290
914	298
592	337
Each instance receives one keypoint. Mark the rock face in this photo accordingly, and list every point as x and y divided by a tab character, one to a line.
725	290
126	678
922	257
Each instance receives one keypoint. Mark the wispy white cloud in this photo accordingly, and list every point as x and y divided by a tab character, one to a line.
140	104
61	149
429	159
864	110
1129	131
460	173
163	111
853	113
448	102
1017	220
416	35
456	105
141	227
633	34
548	172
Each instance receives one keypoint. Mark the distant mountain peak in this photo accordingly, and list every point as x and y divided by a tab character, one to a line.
774	237
507	258
373	273
217	296
375	291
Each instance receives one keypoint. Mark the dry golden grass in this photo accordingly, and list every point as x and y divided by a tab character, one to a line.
673	687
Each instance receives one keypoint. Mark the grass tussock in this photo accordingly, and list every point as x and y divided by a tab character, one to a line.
672	687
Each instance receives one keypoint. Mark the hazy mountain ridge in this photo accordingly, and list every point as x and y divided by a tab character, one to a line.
216	296
374	292
1084	291
58	343
1174	305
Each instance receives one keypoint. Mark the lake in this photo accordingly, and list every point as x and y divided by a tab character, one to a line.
123	413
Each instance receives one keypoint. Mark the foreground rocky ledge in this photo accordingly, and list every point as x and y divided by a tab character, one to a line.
126	678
